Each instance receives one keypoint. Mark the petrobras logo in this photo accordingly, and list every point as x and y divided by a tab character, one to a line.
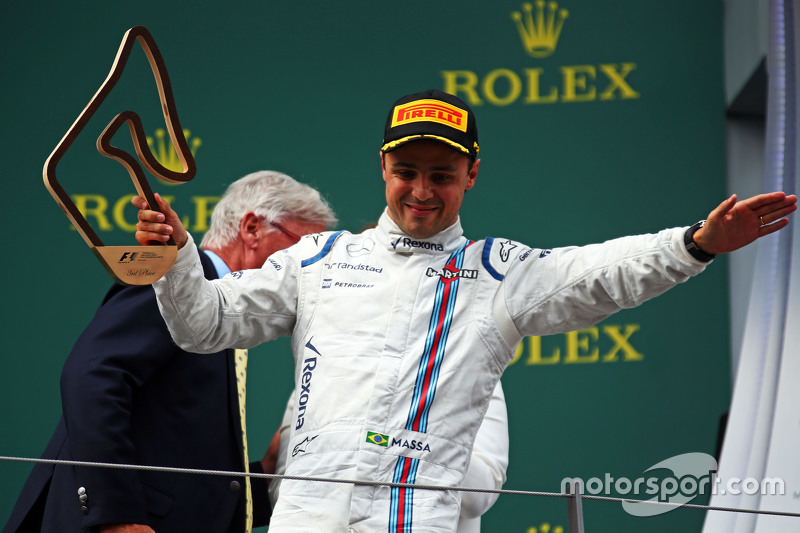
378	438
407	242
417	445
428	110
346	285
449	273
326	283
309	365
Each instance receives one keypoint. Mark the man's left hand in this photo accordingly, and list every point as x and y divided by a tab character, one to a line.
734	224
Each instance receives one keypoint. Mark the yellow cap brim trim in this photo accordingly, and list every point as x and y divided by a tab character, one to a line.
394	144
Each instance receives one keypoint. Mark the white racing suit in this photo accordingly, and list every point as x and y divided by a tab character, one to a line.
398	345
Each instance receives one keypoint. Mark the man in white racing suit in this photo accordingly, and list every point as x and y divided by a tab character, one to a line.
487	465
400	333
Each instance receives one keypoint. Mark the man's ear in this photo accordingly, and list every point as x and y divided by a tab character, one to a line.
250	229
383	165
473	175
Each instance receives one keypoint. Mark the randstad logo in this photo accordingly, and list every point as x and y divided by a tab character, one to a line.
539	27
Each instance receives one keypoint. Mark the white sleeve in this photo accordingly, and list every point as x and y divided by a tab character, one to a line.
242	310
487	467
564	289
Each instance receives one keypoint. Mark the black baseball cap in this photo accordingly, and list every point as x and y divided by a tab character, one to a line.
433	115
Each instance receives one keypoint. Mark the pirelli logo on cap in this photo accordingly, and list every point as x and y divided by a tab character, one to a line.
430	111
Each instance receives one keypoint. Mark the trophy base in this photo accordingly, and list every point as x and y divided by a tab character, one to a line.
136	265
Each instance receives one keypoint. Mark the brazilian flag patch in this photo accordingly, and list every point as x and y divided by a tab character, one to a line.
378	438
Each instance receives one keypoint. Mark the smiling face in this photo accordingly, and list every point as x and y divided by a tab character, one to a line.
425	185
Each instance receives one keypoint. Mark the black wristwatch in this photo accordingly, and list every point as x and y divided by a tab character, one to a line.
691	246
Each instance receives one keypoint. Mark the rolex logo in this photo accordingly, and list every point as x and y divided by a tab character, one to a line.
546	528
540	31
164	152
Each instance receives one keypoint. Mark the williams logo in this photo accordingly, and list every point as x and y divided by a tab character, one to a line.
540	31
378	438
358	249
539	26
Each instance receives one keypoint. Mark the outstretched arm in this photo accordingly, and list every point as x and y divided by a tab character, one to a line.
158	226
734	224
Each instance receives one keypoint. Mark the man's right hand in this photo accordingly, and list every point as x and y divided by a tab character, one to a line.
158	226
126	528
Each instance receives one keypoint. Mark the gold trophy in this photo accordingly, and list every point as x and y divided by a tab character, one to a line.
131	265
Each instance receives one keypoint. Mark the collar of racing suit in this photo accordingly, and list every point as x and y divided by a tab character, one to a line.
395	240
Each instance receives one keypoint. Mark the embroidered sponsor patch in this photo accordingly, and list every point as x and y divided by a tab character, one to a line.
430	111
378	438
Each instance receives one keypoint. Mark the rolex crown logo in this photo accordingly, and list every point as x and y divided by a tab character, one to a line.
540	31
546	528
164	152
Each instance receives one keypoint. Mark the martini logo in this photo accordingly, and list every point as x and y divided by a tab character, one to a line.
539	26
449	273
165	152
430	111
540	31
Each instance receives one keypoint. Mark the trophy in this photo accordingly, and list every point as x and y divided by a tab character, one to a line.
130	265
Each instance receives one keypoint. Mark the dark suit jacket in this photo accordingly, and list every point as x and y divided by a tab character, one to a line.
130	395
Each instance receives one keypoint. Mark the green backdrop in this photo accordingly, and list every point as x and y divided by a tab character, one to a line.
618	128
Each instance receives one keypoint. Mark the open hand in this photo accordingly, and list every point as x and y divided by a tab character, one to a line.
734	224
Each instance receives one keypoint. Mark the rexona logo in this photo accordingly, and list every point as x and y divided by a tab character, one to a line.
540	26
